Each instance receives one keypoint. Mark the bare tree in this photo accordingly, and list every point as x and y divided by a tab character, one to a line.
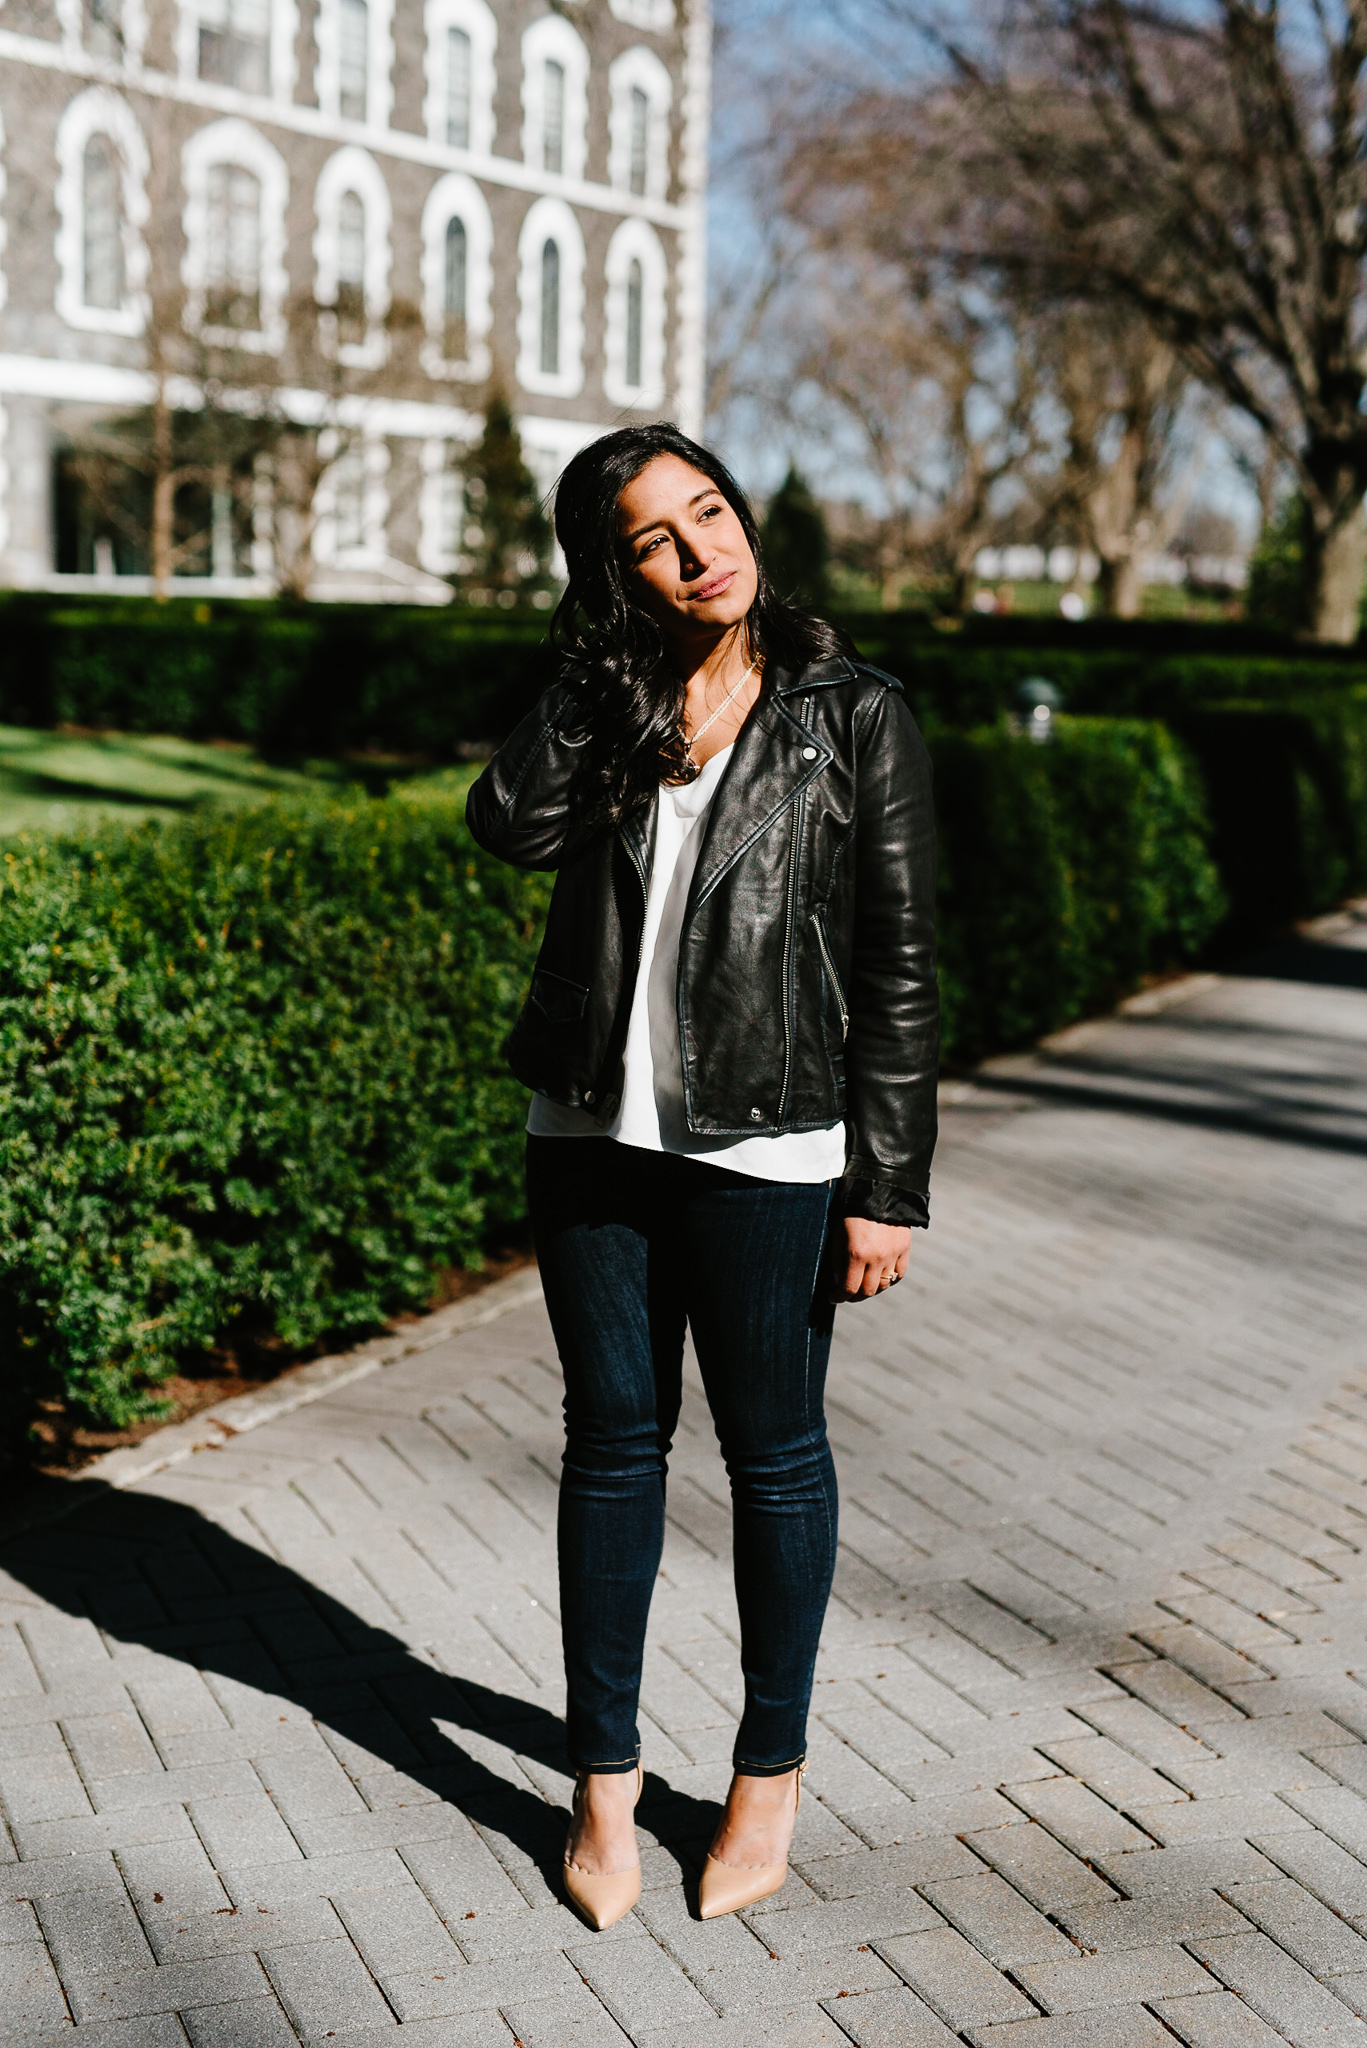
1204	163
944	395
1137	425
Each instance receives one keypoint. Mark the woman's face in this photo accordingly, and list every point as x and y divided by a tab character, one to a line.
684	553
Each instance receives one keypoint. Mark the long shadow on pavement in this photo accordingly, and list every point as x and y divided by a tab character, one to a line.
1311	961
155	1572
1201	1089
1092	1084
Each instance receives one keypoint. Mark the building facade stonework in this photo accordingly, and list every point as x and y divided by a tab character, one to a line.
527	179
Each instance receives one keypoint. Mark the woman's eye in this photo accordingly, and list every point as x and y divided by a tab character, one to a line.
709	511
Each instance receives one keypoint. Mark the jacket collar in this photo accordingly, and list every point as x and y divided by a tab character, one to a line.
774	759
836	668
767	771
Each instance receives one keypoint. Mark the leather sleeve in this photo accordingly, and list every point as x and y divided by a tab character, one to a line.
520	809
892	1050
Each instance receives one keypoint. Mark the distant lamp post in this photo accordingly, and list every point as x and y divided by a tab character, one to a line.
1036	702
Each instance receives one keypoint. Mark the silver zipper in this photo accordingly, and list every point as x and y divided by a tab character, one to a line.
836	990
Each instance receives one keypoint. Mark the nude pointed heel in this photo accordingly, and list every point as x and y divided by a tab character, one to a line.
729	1887
603	1899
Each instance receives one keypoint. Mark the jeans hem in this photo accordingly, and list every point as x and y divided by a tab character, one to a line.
616	1765
743	1769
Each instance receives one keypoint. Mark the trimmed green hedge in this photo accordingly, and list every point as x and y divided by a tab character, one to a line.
325	679
1068	872
250	1066
249	1073
293	680
1279	729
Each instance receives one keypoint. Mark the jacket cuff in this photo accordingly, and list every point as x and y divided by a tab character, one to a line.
881	1201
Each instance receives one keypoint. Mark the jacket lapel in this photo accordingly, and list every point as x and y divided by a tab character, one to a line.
767	772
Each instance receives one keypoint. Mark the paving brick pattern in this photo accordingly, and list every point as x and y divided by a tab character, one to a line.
280	1748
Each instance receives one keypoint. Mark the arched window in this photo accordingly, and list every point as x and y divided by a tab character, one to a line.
458	81
459	71
234	43
640	93
351	320
553	117
352	255
101	195
635	318
550	308
455	293
353	58
457	279
550	299
640	141
102	220
636	274
232	253
555	96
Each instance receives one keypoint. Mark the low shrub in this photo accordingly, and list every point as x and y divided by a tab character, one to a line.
423	680
292	680
1286	788
1068	871
250	1075
250	1066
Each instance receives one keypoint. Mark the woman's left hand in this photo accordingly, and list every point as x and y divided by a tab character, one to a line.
876	1257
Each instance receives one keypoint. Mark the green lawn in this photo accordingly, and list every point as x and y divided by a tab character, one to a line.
56	782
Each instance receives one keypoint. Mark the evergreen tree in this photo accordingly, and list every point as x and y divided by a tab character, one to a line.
797	547
507	534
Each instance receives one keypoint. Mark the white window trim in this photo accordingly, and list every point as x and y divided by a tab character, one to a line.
327	74
479	24
71	21
642	69
373	551
352	169
101	112
232	141
547	219
451	195
657	16
636	239
552	37
284	32
437	465
4	241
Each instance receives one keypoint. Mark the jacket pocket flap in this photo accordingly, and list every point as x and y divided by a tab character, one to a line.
560	1000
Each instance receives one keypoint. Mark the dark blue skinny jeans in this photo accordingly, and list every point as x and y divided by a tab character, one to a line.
632	1246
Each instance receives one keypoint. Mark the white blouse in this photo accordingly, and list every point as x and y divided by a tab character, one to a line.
651	1114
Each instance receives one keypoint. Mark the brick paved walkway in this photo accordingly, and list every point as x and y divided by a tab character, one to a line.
1090	1758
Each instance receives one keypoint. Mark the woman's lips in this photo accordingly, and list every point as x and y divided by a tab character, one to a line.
713	589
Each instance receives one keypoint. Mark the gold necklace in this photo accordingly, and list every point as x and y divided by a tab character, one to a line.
729	698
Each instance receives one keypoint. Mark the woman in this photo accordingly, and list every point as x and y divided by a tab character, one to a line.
731	1035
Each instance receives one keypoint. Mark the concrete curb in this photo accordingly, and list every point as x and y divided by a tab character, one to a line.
213	1426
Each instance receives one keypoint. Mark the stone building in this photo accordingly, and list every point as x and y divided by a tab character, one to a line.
525	175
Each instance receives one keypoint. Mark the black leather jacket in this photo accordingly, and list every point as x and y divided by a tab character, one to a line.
807	964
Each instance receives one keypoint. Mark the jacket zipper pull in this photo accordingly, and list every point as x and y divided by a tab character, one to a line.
836	990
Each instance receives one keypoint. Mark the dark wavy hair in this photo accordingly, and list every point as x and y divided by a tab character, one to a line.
615	652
